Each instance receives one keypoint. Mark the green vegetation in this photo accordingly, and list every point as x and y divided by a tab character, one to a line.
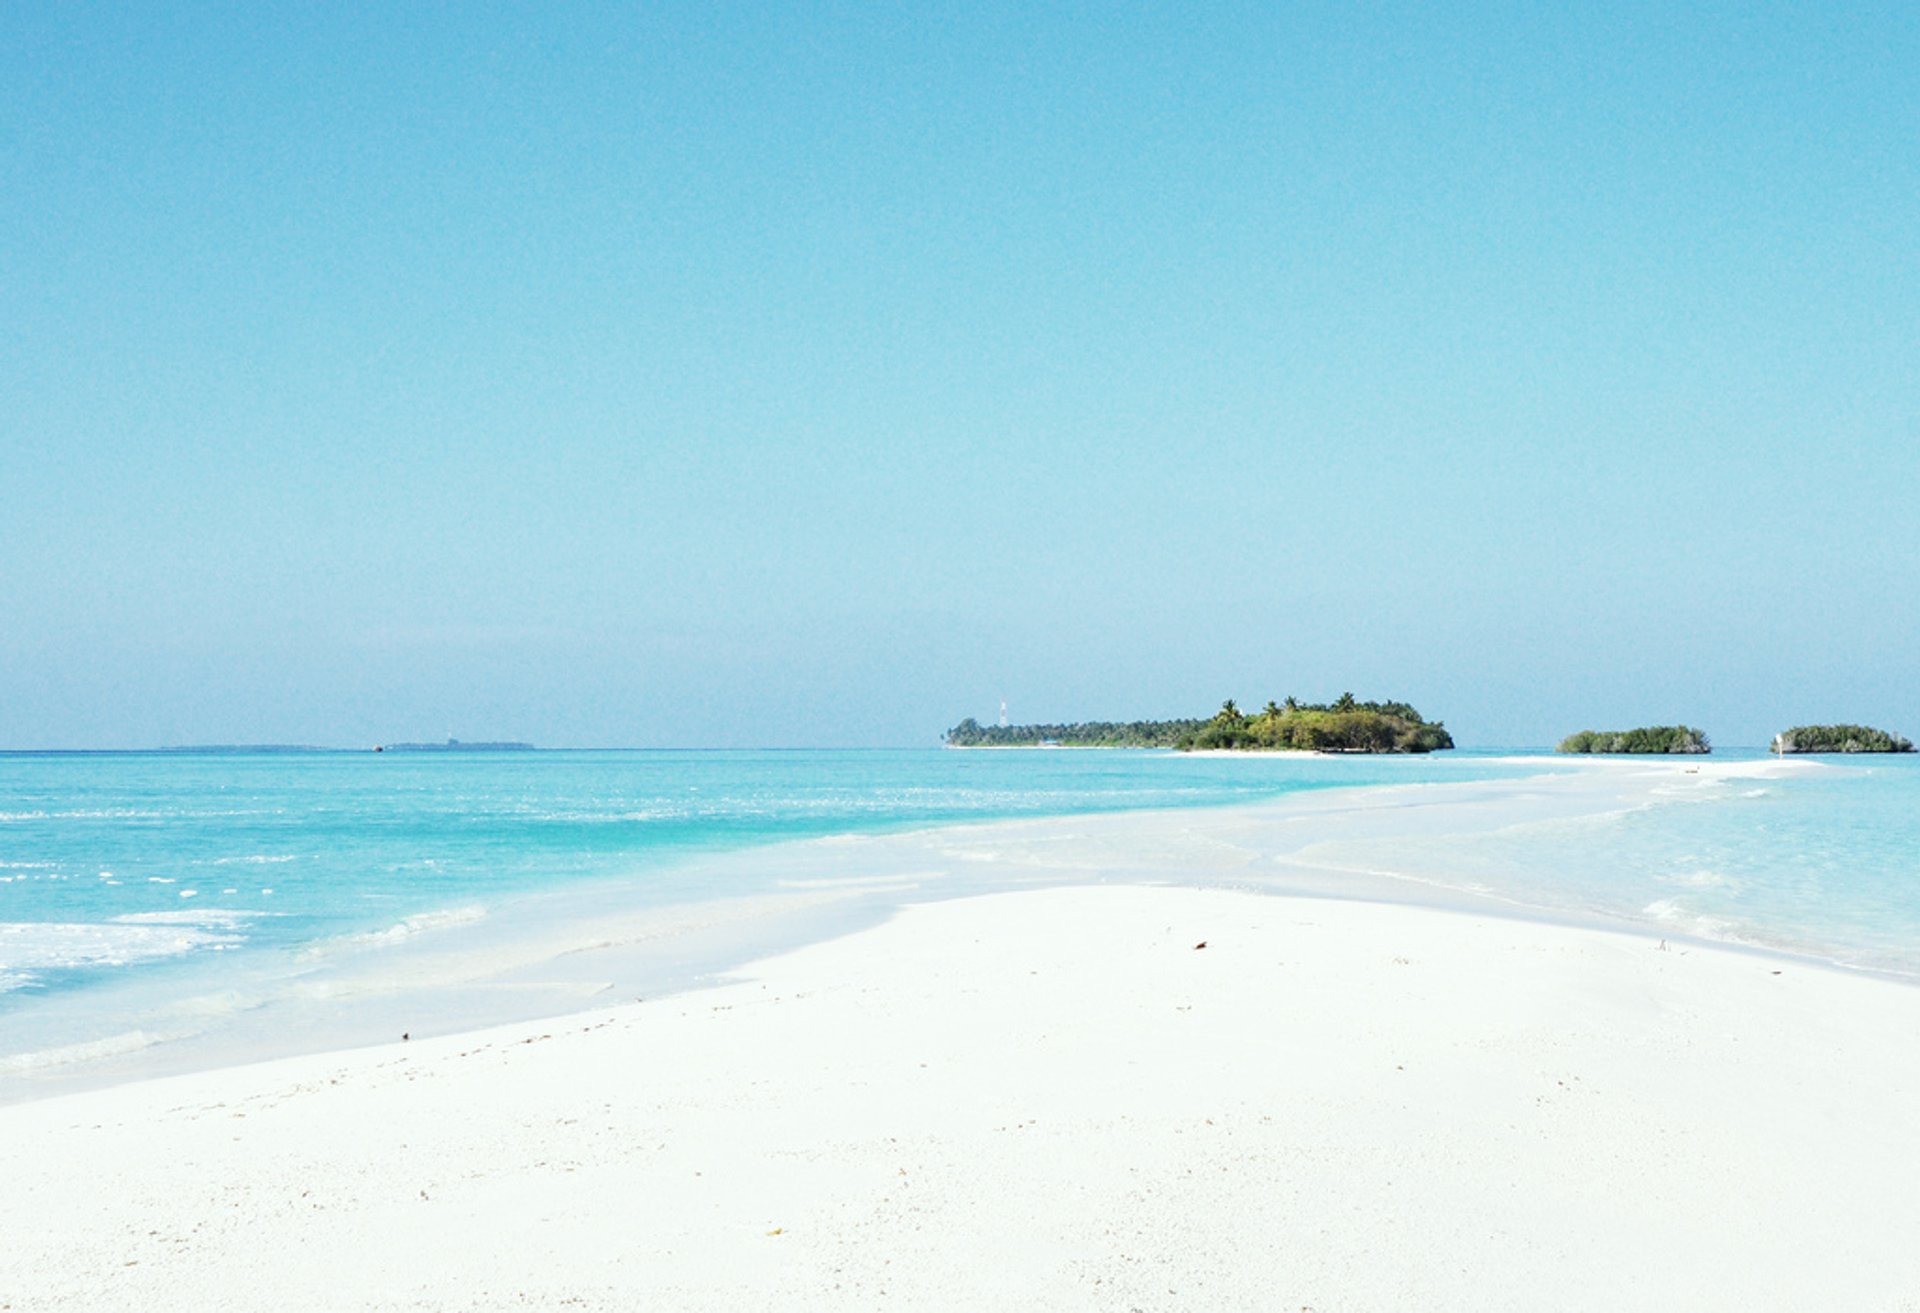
970	733
1653	738
1343	726
1840	738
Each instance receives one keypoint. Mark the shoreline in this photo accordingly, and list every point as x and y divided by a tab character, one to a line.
559	954
1333	1104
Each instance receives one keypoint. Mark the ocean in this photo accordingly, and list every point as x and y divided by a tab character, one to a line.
1822	862
209	905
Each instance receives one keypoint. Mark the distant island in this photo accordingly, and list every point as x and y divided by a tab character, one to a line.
454	745
1839	738
263	749
1342	726
1650	739
242	749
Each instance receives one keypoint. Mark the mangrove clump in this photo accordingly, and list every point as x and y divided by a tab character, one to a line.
1840	738
1648	739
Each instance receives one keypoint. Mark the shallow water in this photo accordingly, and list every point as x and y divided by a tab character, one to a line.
167	909
143	893
1823	862
110	861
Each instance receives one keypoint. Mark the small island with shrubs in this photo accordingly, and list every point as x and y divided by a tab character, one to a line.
1346	725
1839	738
1658	739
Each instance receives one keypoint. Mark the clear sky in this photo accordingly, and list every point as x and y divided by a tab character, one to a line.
759	375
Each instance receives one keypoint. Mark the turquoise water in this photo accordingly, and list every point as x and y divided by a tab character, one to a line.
113	864
1824	863
149	900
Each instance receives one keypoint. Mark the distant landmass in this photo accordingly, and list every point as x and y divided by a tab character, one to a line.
1683	739
1839	738
273	749
970	733
455	745
248	749
1346	725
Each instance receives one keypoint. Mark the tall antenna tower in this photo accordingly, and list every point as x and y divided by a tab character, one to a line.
1003	713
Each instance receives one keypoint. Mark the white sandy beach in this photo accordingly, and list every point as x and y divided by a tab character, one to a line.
562	568
1047	1099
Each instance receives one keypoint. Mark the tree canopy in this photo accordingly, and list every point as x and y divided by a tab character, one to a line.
1649	739
1346	725
1841	738
970	733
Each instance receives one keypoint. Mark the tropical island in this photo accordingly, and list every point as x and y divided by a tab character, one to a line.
1346	725
1839	738
1682	739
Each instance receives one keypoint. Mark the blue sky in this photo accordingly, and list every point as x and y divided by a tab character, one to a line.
821	375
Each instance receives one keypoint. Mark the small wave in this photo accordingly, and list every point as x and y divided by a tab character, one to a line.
35	946
446	917
574	817
131	814
255	859
231	918
1671	912
131	1041
399	932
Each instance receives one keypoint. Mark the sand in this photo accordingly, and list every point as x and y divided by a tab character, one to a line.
1046	1099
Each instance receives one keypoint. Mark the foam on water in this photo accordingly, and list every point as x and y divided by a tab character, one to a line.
226	918
1675	913
398	933
30	949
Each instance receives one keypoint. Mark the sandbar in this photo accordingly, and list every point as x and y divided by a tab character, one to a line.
1048	1098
